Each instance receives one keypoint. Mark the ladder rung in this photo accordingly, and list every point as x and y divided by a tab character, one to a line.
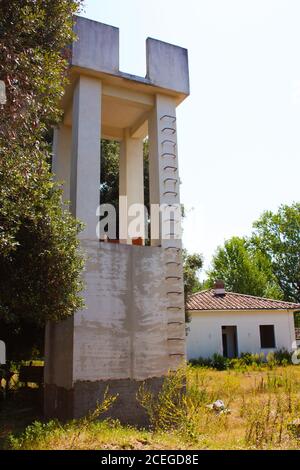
168	154
176	339
170	179
173	118
173	262
171	220
174	193
168	141
171	129
174	293
173	277
169	167
175	323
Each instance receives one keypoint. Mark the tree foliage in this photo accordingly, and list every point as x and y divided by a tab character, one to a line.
192	264
40	265
243	269
268	262
277	237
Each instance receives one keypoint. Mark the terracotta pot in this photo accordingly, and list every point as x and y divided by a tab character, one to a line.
137	241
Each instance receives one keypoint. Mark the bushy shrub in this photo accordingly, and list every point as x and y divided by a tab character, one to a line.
283	356
245	361
249	359
220	362
201	361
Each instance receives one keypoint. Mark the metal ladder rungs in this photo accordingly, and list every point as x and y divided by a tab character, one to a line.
175	339
173	262
168	116
169	167
168	154
175	323
174	308
170	179
171	220
171	129
168	141
178	278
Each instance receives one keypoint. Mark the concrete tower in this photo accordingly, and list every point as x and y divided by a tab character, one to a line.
132	329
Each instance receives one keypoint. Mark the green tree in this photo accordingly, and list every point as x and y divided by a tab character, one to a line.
243	269
277	237
192	264
40	265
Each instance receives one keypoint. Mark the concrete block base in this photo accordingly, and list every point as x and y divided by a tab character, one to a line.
78	402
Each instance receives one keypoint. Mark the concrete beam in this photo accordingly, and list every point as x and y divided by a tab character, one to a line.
139	130
128	96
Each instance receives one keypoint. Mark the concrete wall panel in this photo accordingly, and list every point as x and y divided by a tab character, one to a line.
167	65
97	46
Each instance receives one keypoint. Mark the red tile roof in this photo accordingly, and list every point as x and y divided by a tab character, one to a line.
207	300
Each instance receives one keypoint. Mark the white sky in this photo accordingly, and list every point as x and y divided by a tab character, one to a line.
239	131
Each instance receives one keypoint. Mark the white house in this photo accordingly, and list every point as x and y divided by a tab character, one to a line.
230	324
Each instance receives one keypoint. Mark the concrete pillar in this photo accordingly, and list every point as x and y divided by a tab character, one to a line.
163	171
61	163
85	166
166	231
131	187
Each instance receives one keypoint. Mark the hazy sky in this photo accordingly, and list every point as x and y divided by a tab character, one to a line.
239	131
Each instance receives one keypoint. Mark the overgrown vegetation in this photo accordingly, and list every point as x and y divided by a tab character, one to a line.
262	411
280	357
40	266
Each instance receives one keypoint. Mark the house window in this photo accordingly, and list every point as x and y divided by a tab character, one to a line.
267	336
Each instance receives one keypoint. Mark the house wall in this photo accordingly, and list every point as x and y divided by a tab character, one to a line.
205	331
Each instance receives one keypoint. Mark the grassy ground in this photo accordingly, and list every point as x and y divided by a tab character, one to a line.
263	404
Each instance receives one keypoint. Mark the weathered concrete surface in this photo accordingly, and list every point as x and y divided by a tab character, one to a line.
167	65
97	49
79	401
97	46
126	408
59	353
86	153
2	353
58	402
123	333
121	338
61	163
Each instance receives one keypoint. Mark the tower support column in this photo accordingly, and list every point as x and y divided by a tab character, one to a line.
61	163
86	149
131	187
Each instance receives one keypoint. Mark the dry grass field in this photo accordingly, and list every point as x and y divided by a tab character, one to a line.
262	411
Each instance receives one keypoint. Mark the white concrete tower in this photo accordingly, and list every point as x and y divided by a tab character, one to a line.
133	327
